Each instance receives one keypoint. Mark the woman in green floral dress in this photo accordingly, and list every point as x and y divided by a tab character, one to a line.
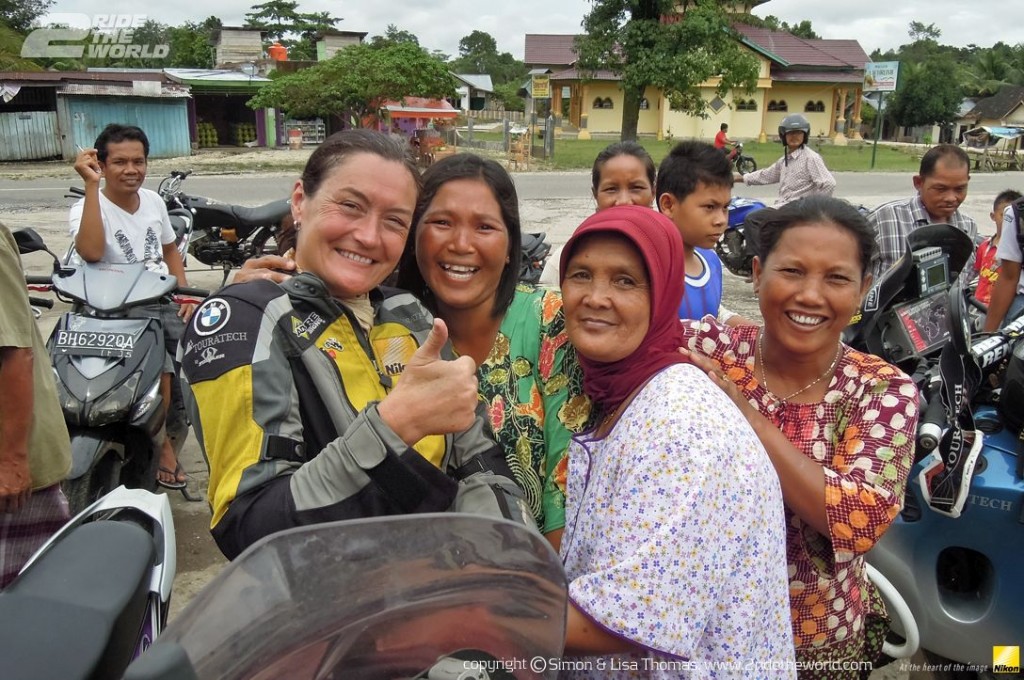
462	260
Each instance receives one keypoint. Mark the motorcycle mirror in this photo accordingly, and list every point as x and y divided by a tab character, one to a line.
29	241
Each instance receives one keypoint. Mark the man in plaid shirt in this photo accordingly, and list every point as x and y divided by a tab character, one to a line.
941	185
800	172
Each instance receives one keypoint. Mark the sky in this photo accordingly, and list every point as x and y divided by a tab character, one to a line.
440	24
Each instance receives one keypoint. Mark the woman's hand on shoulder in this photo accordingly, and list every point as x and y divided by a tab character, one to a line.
271	267
718	377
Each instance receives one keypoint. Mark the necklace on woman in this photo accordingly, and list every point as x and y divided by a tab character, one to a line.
778	402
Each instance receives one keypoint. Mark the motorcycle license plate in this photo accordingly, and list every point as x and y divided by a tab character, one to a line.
94	343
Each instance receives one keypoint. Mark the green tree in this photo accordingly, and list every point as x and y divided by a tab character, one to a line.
392	36
283	22
357	80
927	94
772	22
19	14
192	44
478	53
508	93
918	31
10	52
630	39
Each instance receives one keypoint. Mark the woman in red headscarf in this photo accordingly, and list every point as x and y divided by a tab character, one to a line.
674	544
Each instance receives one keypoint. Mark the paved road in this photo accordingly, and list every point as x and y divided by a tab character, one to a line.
47	193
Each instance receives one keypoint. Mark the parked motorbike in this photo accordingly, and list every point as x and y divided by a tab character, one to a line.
954	552
95	596
414	596
107	368
742	162
226	235
733	247
536	251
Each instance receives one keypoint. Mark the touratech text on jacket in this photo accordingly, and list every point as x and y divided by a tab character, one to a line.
282	385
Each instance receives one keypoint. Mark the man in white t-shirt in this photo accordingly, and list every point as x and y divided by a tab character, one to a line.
124	223
1008	290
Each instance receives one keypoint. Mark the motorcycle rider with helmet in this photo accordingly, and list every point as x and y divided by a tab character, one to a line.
800	172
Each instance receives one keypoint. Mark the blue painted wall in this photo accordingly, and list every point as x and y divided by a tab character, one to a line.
165	121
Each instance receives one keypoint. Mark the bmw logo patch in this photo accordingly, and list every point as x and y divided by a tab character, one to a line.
212	316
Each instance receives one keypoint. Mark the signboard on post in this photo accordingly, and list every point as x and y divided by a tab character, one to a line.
880	76
541	86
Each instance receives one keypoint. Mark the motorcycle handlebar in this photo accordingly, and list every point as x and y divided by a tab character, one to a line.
40	302
192	292
36	280
929	431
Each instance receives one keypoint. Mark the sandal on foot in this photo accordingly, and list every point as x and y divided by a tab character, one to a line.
176	484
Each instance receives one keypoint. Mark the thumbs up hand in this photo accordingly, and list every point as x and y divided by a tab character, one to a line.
432	396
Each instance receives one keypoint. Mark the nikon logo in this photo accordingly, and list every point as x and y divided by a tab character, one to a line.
1006	659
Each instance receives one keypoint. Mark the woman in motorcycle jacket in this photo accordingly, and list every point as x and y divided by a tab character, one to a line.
838	425
326	397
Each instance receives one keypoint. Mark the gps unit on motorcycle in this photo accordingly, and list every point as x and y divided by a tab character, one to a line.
931	270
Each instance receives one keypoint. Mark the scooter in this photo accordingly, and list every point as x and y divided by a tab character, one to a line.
414	596
742	162
733	247
95	596
107	368
954	552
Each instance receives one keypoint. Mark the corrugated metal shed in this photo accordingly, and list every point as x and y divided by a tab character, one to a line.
28	135
135	89
165	120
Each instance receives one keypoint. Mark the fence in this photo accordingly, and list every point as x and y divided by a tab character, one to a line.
513	116
543	131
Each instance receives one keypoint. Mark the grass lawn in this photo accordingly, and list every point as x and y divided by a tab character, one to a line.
574	154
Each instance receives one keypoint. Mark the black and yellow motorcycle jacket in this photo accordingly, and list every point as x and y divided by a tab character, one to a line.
281	385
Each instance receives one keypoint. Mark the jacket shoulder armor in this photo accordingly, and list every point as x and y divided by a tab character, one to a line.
224	331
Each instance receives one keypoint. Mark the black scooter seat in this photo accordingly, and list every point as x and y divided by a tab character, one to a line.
240	216
77	612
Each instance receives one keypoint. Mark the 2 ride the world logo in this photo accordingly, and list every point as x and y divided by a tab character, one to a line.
74	35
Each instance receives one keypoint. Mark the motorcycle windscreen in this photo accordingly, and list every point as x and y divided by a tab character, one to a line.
109	287
381	598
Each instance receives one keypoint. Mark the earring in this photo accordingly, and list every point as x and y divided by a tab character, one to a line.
298	225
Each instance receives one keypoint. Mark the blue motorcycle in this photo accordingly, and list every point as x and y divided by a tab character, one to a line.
954	553
733	247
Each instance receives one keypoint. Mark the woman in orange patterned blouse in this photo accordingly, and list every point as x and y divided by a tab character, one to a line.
839	425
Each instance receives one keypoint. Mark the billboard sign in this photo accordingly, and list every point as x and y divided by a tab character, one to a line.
880	76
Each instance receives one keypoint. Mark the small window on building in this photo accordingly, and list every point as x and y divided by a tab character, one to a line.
746	105
644	104
598	104
778	105
608	103
820	106
814	106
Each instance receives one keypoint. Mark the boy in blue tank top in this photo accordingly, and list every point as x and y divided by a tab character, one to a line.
693	188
